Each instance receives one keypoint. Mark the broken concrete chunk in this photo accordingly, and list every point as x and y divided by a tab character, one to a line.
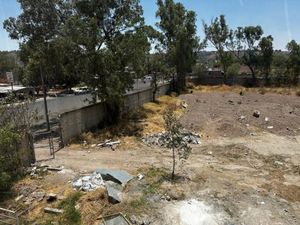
53	210
256	113
118	176
51	197
114	195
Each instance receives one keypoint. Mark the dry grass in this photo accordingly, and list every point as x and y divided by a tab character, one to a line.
91	205
154	113
146	120
239	89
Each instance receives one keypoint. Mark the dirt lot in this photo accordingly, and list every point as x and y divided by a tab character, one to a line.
228	114
240	174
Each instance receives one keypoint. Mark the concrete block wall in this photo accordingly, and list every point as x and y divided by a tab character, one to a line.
78	121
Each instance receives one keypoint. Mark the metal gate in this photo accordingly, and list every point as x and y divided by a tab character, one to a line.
47	143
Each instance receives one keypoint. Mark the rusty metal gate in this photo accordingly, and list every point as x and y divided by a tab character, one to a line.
47	143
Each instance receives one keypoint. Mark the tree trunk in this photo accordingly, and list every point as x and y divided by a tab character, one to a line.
224	74
254	80
173	171
181	84
112	112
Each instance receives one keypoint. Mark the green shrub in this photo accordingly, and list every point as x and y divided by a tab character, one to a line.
9	160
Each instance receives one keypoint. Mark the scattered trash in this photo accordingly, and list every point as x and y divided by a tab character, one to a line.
278	163
140	176
89	183
270	127
243	117
159	139
19	198
267	119
256	113
108	143
247	125
53	210
184	104
93	145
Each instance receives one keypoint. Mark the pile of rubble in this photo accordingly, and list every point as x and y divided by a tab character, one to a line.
89	183
159	139
111	180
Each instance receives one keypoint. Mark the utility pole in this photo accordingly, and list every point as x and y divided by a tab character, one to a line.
45	99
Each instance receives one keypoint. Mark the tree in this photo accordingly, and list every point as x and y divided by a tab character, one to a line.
293	63
37	29
244	44
279	67
179	37
112	40
217	33
266	56
174	138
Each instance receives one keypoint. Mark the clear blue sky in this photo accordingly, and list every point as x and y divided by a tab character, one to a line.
280	18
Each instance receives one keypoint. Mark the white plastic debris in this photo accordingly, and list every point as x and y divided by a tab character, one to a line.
89	183
140	176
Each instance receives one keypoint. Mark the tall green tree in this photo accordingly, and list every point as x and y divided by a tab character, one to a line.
178	26
217	33
37	29
293	64
266	56
112	40
244	44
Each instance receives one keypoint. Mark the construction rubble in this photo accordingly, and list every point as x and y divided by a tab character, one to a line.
159	139
111	180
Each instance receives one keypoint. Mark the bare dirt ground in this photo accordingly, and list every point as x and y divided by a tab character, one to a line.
242	173
228	114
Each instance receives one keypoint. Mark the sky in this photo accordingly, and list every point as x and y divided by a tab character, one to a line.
279	18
